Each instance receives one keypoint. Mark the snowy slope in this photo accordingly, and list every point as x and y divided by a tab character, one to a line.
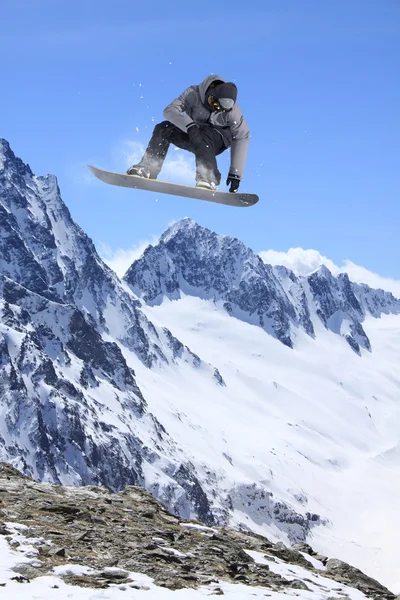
315	425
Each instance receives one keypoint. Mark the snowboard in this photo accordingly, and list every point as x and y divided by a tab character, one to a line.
175	189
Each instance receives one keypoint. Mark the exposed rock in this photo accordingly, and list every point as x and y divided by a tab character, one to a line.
112	535
344	573
265	509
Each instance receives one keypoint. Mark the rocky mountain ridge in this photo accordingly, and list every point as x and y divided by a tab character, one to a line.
71	406
190	259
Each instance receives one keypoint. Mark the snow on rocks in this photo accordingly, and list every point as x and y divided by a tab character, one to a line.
111	544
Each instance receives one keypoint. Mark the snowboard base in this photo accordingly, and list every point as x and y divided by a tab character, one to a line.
174	189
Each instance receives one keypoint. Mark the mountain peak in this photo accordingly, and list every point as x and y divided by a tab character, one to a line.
322	272
197	261
8	160
4	147
186	226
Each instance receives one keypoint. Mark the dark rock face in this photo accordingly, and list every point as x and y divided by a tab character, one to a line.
193	260
342	305
349	575
186	478
115	534
336	303
265	509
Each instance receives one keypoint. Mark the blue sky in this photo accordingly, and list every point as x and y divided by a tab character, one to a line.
85	82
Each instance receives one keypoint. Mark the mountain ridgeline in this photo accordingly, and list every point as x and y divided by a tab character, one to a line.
192	260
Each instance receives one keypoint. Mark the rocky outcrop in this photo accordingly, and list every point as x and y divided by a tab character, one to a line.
112	535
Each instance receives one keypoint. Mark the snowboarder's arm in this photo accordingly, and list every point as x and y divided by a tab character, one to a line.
241	136
175	112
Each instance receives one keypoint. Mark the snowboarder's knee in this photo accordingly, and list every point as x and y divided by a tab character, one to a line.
163	126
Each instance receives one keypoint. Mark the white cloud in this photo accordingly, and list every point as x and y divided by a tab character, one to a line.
179	166
120	259
302	262
362	275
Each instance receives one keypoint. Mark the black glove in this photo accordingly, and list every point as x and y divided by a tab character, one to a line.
234	181
195	135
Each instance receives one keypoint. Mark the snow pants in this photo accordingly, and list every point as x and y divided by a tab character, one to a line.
166	133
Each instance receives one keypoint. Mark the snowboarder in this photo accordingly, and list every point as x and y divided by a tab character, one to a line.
206	120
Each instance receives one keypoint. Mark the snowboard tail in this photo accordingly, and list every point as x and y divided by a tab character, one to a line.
174	189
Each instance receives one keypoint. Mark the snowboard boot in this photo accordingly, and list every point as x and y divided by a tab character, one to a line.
207	185
139	171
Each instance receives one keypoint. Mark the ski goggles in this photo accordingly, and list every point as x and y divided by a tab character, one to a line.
222	104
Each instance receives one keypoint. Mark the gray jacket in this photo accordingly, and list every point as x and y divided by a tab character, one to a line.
191	106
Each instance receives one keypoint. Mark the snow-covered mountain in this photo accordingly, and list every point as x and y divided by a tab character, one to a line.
195	261
71	408
234	391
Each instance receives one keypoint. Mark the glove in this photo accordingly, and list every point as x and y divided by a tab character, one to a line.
195	135
234	181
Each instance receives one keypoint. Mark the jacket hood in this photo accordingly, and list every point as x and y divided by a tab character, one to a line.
204	85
